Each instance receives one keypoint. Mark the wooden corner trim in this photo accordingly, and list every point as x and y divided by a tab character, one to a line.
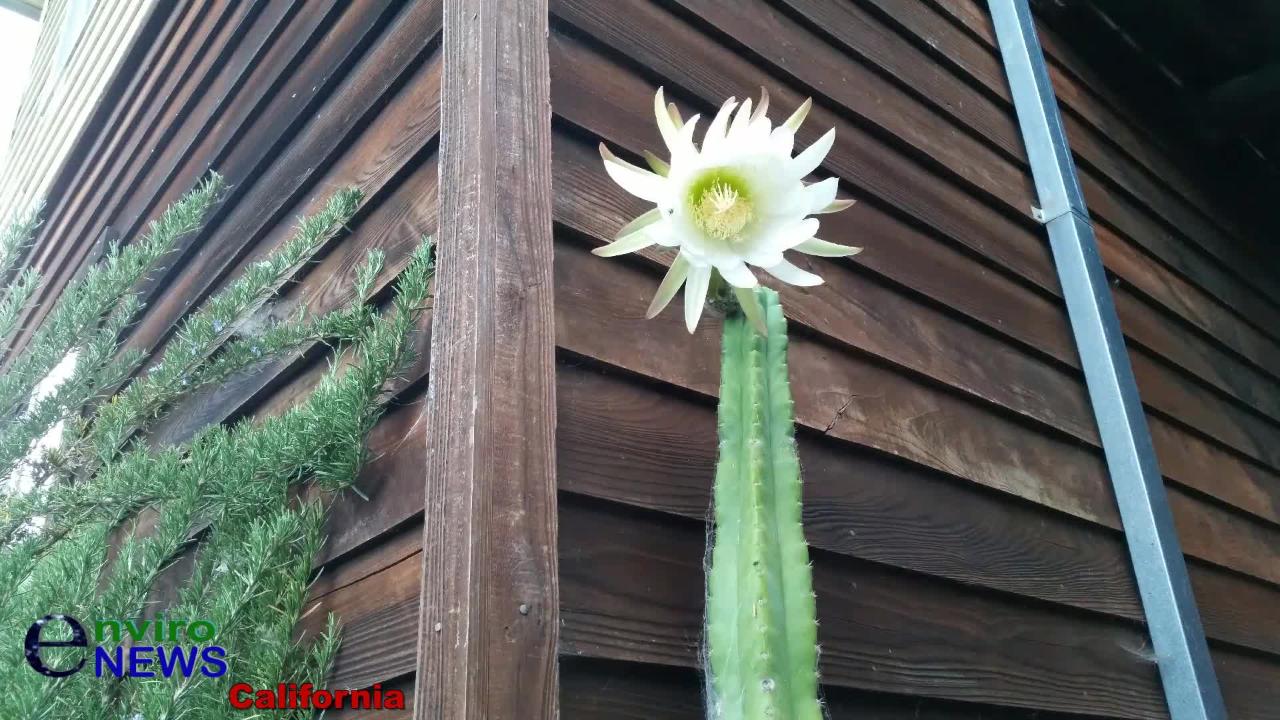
489	614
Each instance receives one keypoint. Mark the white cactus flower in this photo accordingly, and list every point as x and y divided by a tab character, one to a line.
737	201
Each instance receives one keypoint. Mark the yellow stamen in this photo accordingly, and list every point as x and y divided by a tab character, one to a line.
722	212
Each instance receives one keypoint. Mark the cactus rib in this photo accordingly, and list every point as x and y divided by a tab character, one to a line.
761	615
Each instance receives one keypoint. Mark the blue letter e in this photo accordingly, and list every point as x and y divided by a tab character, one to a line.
33	645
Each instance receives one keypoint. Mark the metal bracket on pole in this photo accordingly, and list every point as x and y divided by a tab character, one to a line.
1190	686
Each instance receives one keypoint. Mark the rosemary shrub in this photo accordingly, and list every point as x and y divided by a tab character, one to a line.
90	524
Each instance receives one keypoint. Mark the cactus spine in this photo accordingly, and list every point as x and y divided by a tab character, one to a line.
761	628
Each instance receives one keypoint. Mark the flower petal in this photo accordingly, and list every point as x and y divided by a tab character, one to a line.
820	194
631	243
686	141
765	257
794	235
666	124
822	248
670	286
809	160
695	295
763	107
836	206
781	141
637	181
757	134
715	134
793	123
750	305
674	112
788	273
663	236
657	164
737	274
740	121
642	221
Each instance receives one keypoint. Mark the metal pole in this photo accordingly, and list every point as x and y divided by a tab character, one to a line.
1190	686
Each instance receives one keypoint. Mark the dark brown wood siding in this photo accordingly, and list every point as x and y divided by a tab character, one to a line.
966	543
968	554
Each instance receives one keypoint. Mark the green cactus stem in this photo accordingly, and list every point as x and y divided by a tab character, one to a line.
761	631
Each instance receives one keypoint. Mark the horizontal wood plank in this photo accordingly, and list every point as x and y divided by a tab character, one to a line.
1255	438
878	320
632	589
979	61
291	177
852	398
671	49
632	592
169	126
283	41
595	689
379	614
1080	89
856	90
988	113
1164	336
624	440
943	83
963	36
395	222
1187	302
844	84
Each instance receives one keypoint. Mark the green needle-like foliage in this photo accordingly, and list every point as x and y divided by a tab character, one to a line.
85	304
21	283
90	528
761	623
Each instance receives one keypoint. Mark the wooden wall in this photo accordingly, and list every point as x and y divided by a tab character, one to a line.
965	538
290	100
966	543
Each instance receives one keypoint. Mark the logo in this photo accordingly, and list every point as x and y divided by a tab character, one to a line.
305	697
57	646
160	647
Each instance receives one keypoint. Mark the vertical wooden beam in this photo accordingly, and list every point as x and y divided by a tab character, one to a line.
490	597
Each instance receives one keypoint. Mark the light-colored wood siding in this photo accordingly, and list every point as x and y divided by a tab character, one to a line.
80	44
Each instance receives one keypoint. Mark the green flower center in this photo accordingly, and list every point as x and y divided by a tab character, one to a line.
721	204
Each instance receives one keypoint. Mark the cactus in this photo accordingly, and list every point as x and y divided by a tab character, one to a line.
761	627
